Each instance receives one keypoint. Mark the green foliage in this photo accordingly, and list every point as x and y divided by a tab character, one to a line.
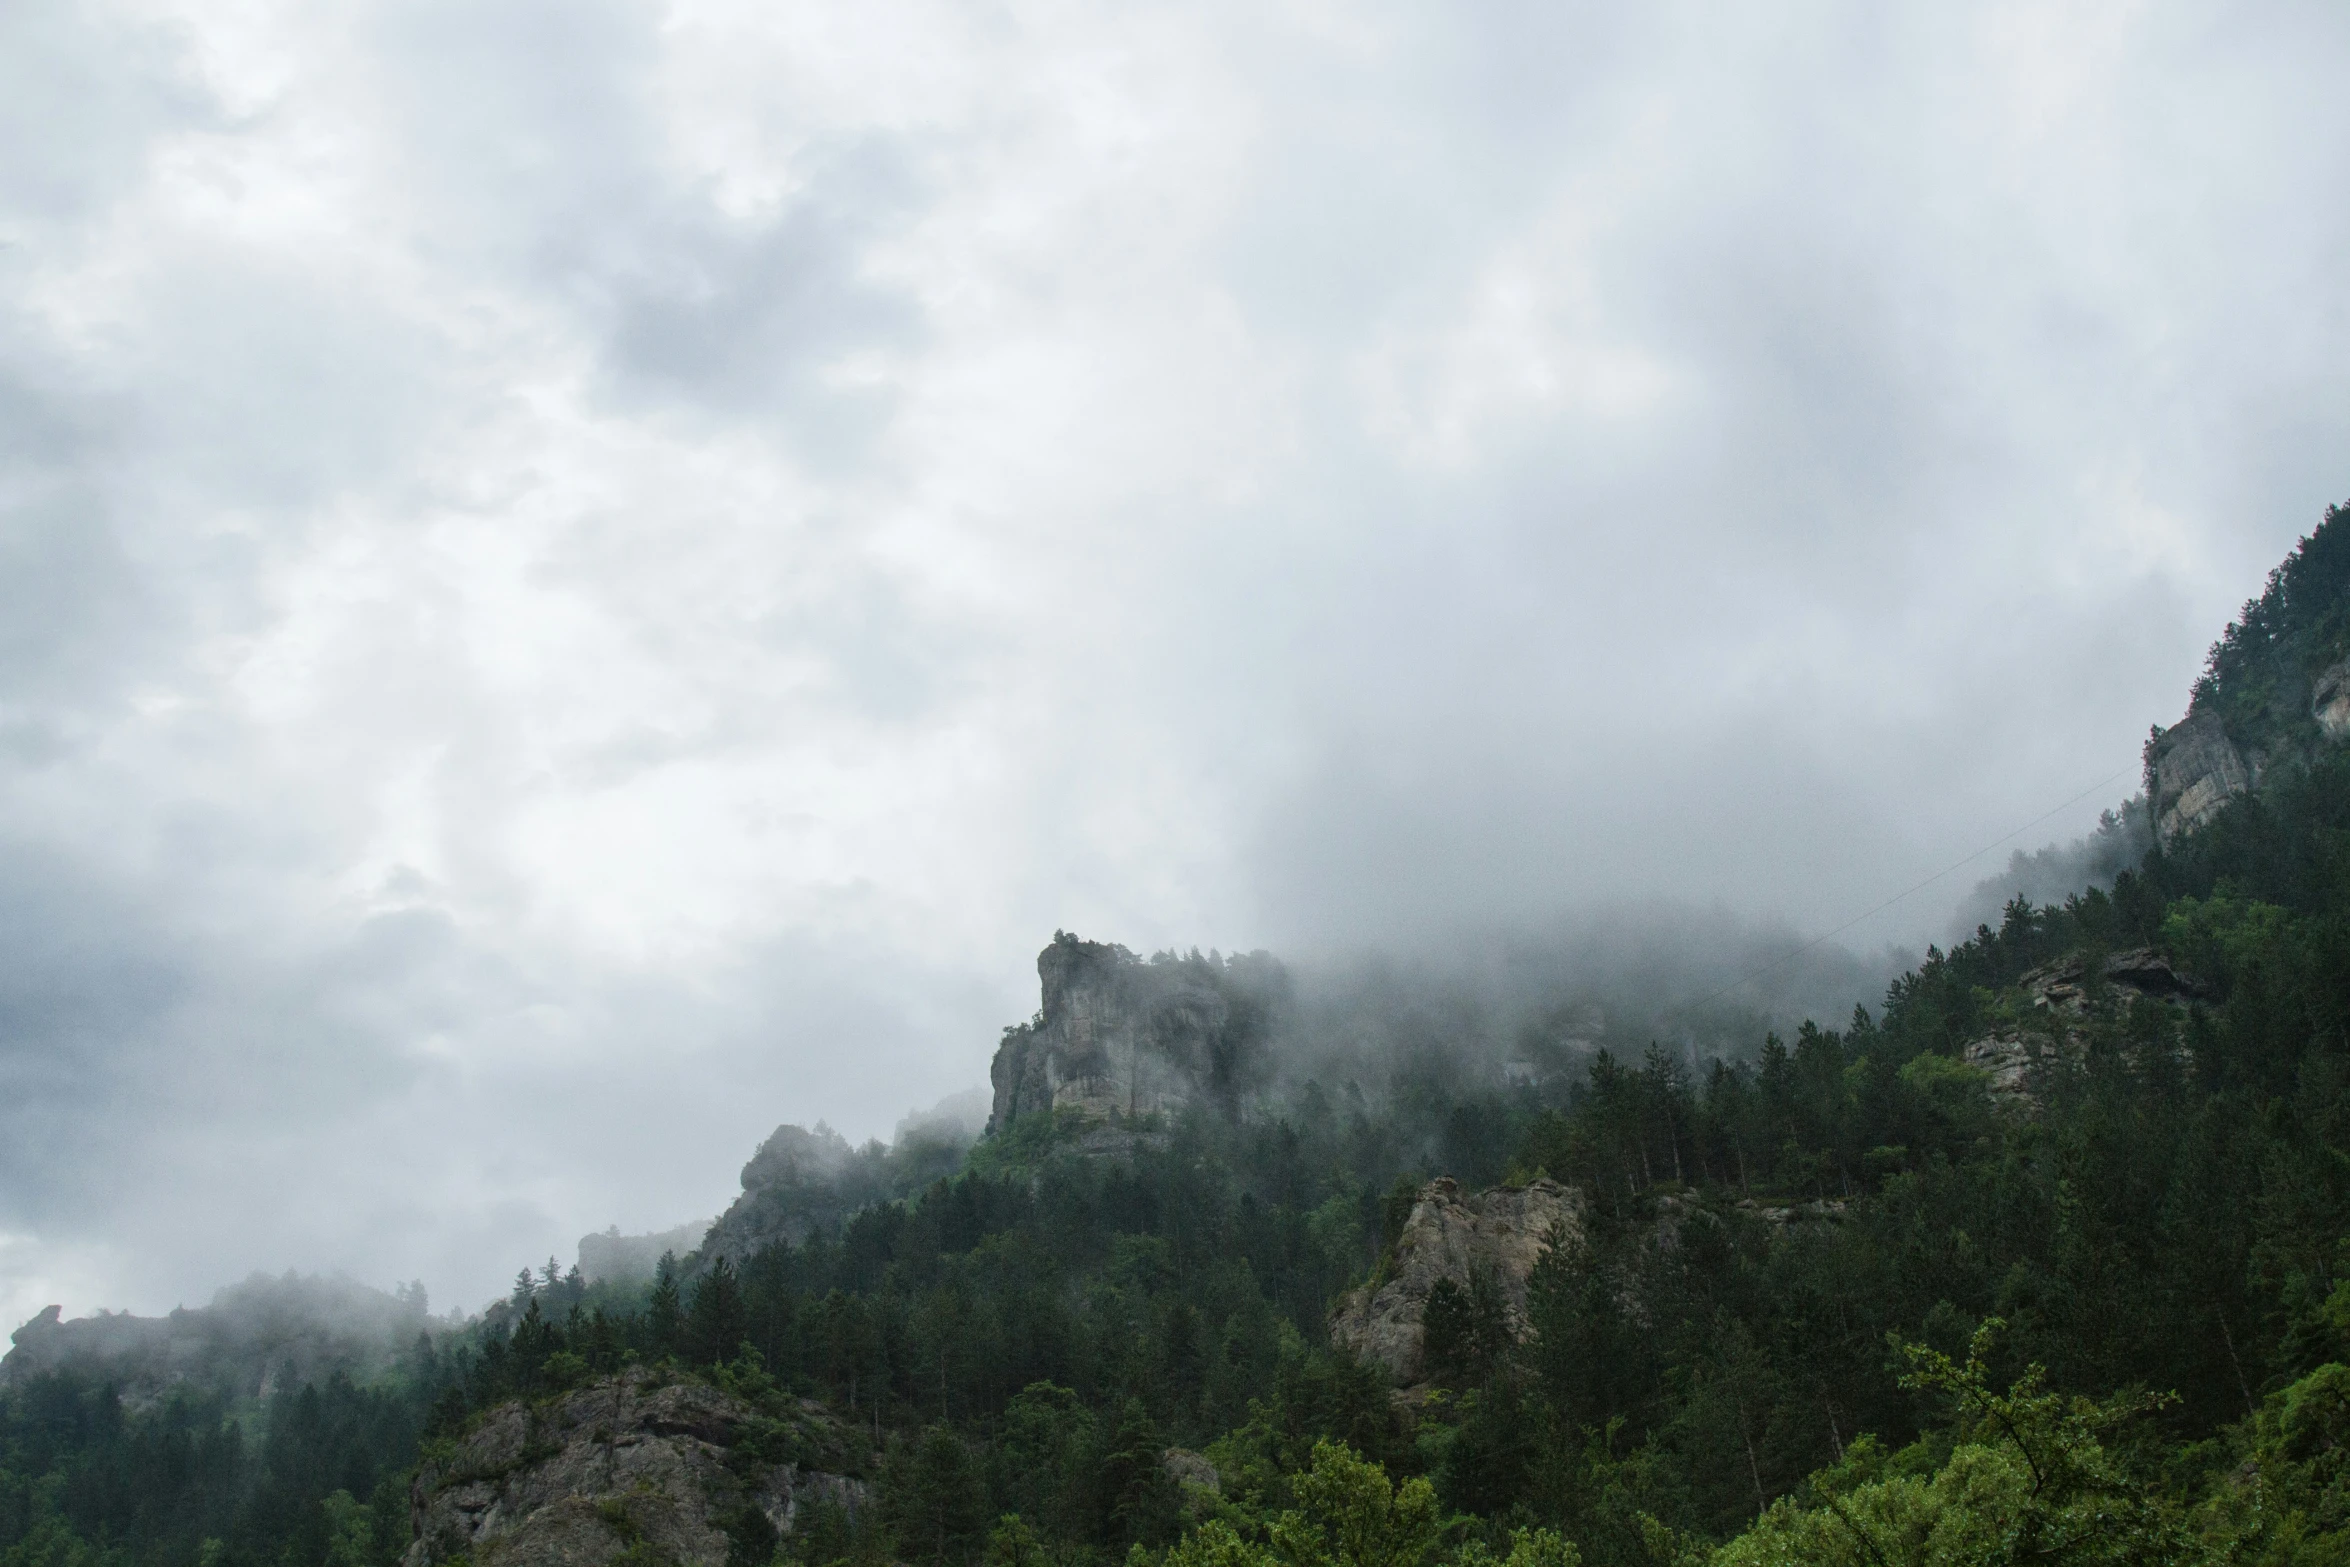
2030	1479
1465	1330
663	1314
202	1480
716	1321
1349	1514
2286	1503
1527	1548
2257	676
1012	1543
934	1498
1346	1512
1137	1499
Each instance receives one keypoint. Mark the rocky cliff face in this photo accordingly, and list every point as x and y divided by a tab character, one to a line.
1502	1232
1117	1035
2066	996
2193	769
2329	702
2274	694
633	1466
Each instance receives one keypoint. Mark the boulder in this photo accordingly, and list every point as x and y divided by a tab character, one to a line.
1502	1231
1193	1471
1785	1216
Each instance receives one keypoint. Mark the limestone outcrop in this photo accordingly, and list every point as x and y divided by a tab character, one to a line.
792	1187
2064	995
1120	1036
2193	769
1502	1232
634	1466
2064	985
2006	1058
2329	701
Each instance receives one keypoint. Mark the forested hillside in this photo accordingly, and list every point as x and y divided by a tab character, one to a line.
2046	1258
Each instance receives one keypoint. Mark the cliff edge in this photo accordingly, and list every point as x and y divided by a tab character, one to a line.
1119	1035
2274	692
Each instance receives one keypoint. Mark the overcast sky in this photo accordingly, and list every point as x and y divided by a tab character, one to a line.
579	579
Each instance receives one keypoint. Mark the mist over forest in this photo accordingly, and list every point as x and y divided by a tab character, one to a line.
1173	785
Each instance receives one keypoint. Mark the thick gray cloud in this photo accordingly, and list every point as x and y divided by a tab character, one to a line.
581	580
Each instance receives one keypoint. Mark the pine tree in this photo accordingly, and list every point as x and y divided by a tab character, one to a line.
661	1312
716	1322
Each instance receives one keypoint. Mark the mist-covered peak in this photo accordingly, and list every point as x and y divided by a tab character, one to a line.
1118	1035
253	1337
793	1154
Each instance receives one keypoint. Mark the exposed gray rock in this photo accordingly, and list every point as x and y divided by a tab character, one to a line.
633	1460
791	1188
2066	991
1502	1231
1193	1471
1120	1140
794	1155
2194	769
1782	1217
2063	985
2329	701
2007	1058
1119	1036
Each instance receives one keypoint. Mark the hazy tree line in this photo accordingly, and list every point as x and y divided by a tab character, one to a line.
319	1476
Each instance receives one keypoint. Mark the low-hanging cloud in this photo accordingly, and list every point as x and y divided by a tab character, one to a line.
586	580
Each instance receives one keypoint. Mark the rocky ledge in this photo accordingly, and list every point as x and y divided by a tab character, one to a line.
637	1466
2064	996
2065	985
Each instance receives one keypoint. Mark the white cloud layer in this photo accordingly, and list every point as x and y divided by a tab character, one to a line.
577	580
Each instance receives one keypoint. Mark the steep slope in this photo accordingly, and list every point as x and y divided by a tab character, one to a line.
2274	693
